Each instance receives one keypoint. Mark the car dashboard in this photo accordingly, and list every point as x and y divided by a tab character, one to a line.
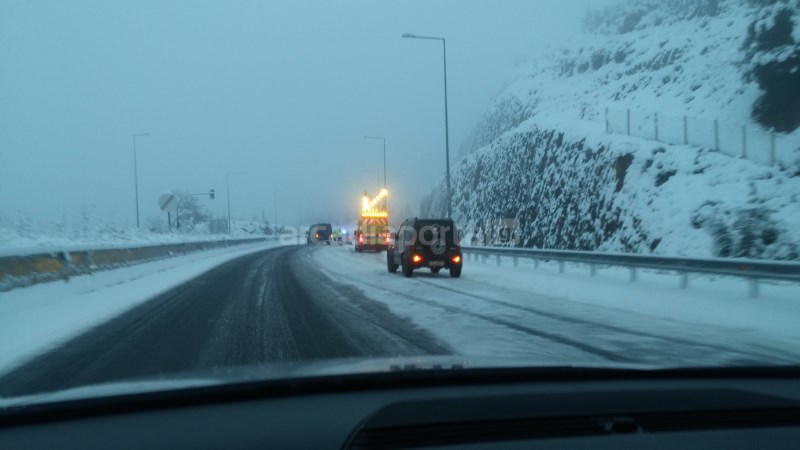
434	410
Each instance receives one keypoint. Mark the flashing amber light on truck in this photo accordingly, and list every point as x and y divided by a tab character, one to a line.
369	208
374	214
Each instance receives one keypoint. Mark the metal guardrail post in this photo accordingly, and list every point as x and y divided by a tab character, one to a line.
684	280
593	269
753	291
535	263
516	261
633	274
561	267
497	260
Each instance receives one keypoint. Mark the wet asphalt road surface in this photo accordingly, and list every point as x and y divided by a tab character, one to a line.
269	306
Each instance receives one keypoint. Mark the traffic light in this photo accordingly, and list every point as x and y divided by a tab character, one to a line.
211	194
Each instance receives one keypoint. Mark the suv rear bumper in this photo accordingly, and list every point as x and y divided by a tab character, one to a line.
441	261
380	247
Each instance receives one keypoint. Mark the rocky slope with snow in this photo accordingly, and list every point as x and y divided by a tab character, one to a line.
547	157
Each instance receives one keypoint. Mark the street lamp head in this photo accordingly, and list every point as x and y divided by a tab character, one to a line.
408	36
142	134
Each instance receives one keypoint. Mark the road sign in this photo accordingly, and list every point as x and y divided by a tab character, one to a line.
168	202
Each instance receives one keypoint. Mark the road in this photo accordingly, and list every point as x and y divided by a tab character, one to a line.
317	302
268	306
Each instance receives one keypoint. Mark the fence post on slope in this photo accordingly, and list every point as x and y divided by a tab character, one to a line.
772	148
685	131
656	125
744	141
628	121
716	134
608	128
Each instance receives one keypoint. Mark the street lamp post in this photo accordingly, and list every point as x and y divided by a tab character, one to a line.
228	191
136	174
446	126
384	156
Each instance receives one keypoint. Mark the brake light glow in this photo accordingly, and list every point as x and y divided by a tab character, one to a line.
416	258
456	259
361	239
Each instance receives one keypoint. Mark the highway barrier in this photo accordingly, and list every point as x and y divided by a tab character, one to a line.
752	270
19	271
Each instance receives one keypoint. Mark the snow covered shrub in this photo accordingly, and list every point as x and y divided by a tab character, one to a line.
745	233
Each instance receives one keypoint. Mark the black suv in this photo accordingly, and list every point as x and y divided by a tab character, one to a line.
319	233
429	243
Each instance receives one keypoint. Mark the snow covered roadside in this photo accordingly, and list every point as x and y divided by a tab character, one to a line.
16	242
486	312
37	318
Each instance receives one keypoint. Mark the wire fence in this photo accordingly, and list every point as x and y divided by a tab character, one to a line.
737	140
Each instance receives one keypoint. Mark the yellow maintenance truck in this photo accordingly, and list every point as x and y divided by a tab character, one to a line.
372	231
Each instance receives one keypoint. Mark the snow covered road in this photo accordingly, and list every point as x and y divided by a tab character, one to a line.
540	314
265	306
287	303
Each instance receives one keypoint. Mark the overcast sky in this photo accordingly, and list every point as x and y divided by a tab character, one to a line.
282	90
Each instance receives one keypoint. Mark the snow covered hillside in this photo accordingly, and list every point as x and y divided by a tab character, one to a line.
546	155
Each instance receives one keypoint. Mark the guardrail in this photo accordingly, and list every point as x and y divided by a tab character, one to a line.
753	270
19	271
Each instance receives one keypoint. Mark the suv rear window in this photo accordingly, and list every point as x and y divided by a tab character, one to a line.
324	229
432	230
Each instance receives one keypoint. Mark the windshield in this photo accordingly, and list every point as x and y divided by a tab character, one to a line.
203	192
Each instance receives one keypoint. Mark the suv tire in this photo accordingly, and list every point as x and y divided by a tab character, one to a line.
408	271
390	265
455	271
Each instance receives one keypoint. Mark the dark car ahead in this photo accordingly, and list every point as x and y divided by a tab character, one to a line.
319	233
431	243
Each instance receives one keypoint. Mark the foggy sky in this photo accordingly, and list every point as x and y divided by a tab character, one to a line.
282	90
